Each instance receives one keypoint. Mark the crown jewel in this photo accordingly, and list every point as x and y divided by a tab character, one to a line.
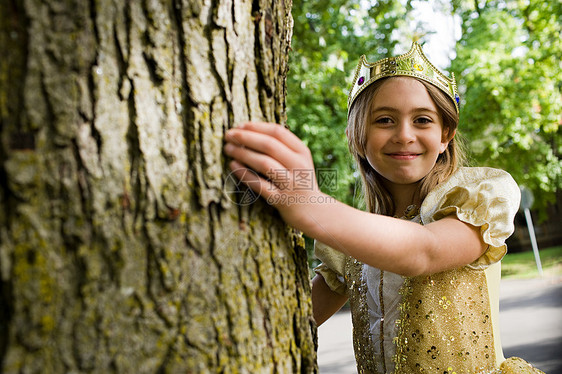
413	64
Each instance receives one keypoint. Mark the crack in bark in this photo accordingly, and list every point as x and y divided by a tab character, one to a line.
246	92
6	312
96	135
187	115
153	68
93	16
265	91
136	162
213	61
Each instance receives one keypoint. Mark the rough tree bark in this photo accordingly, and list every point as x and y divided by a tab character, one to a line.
121	250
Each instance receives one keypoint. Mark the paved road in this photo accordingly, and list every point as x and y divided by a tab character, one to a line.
530	324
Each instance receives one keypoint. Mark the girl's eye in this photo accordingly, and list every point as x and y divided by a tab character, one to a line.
423	120
384	120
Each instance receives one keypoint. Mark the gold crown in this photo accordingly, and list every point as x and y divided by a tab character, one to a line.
412	64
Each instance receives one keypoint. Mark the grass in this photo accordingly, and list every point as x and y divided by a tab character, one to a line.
523	265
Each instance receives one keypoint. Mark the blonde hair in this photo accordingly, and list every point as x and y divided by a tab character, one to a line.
377	198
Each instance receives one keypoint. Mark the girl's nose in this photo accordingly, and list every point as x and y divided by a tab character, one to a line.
404	134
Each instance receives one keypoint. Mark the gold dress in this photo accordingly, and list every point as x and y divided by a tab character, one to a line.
441	323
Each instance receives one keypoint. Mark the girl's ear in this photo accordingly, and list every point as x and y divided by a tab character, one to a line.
445	139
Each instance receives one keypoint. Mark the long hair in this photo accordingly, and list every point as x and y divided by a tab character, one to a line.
377	198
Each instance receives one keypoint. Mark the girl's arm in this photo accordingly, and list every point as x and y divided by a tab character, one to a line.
325	302
387	243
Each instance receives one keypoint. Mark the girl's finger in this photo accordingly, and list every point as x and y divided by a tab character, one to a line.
278	132
261	163
267	145
250	178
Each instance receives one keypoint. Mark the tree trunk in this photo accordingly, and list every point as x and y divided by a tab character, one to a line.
124	245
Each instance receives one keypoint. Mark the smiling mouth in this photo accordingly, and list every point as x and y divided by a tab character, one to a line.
403	155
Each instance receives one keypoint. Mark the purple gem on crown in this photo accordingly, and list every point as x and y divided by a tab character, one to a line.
361	81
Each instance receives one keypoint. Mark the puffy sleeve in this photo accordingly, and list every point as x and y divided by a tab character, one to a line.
483	197
332	267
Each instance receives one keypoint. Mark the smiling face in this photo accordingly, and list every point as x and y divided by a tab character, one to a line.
404	132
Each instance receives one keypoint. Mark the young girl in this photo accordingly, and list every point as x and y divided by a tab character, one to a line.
421	267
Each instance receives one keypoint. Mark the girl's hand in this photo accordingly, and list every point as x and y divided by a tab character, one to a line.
274	163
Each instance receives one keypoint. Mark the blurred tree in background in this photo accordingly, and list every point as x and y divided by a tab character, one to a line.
508	61
507	66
